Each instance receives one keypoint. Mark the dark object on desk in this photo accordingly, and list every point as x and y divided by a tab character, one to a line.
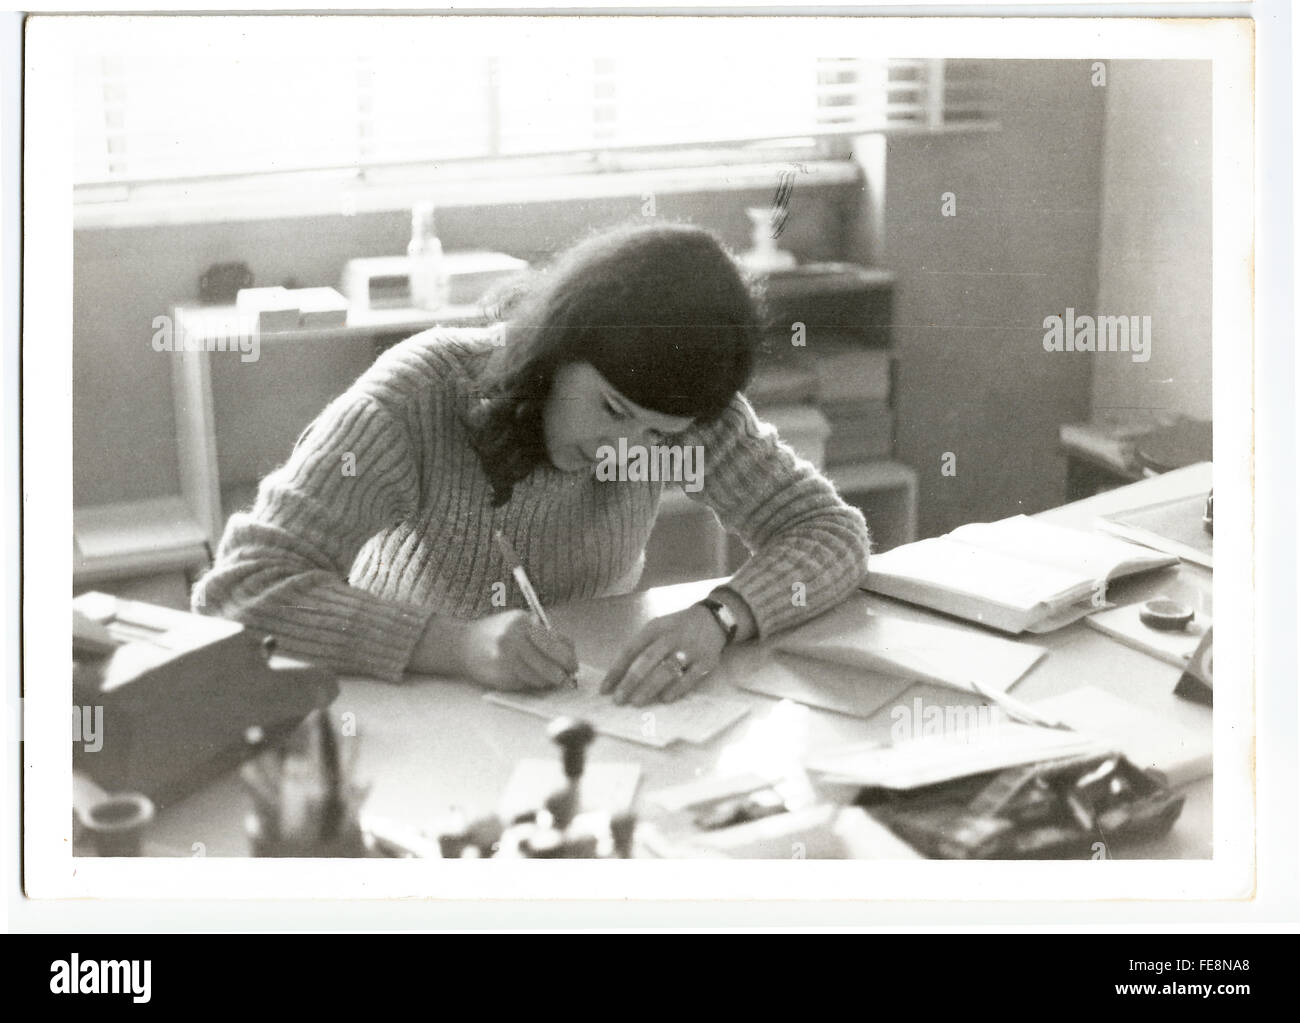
556	830
1197	681
221	282
171	701
741	810
838	301
1060	810
1119	449
115	826
1165	614
305	803
1171	447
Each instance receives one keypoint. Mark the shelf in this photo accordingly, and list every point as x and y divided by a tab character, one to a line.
206	323
886	494
133	538
865	477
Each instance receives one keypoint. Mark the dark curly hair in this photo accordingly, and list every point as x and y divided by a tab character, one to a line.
661	311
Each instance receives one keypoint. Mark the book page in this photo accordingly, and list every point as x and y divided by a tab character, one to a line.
1089	554
951	565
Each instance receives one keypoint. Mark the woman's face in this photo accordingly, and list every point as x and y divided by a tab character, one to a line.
584	413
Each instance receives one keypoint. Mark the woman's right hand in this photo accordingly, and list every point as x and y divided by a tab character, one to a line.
511	650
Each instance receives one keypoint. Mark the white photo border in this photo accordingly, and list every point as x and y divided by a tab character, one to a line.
52	872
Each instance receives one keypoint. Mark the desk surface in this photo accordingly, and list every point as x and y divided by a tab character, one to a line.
431	744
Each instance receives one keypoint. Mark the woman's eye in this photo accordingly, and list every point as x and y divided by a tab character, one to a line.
614	412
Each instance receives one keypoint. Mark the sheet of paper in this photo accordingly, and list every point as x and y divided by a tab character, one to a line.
1171	526
695	718
1059	619
1151	740
708	789
1094	555
886	647
819	683
1173	647
935	758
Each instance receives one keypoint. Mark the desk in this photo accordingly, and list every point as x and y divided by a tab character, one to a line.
433	743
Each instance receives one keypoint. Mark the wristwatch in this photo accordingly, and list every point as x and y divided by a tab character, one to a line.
723	616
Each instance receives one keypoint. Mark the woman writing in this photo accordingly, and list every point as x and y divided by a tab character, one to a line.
372	549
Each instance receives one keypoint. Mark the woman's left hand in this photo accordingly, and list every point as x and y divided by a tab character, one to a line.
648	670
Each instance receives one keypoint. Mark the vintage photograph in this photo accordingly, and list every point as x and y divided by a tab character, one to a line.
799	449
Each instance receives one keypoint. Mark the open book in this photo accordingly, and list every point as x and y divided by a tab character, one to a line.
1015	575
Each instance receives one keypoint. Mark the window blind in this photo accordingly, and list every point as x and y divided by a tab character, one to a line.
155	118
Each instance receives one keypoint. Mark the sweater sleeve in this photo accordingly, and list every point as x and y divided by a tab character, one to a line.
796	527
283	567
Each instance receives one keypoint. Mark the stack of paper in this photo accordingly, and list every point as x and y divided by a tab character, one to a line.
696	718
854	660
1150	740
936	758
1099	722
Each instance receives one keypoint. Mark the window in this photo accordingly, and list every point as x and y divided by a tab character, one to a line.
148	119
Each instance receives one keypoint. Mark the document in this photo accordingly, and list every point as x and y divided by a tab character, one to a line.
696	717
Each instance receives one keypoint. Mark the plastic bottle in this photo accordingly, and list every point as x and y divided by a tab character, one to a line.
764	256
429	283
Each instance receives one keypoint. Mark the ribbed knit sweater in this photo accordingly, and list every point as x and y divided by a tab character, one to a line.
382	517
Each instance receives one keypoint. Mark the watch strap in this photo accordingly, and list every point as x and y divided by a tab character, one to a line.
723	615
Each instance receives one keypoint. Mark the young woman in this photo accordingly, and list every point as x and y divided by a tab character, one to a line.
372	549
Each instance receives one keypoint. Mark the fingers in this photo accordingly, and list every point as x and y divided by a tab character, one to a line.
536	670
656	684
683	685
642	671
554	645
539	661
619	668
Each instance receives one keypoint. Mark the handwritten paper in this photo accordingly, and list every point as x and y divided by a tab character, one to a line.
695	718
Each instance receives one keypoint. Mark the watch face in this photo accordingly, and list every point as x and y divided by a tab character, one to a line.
724	616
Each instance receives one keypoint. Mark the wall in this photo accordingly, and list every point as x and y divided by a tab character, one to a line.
1155	235
123	424
973	378
973	289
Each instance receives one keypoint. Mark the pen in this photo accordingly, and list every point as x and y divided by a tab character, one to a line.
526	587
1019	711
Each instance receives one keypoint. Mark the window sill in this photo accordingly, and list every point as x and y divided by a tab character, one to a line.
211	203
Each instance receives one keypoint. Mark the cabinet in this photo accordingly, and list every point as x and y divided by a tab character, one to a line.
827	347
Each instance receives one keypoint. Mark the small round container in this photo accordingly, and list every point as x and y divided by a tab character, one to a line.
1166	615
116	825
